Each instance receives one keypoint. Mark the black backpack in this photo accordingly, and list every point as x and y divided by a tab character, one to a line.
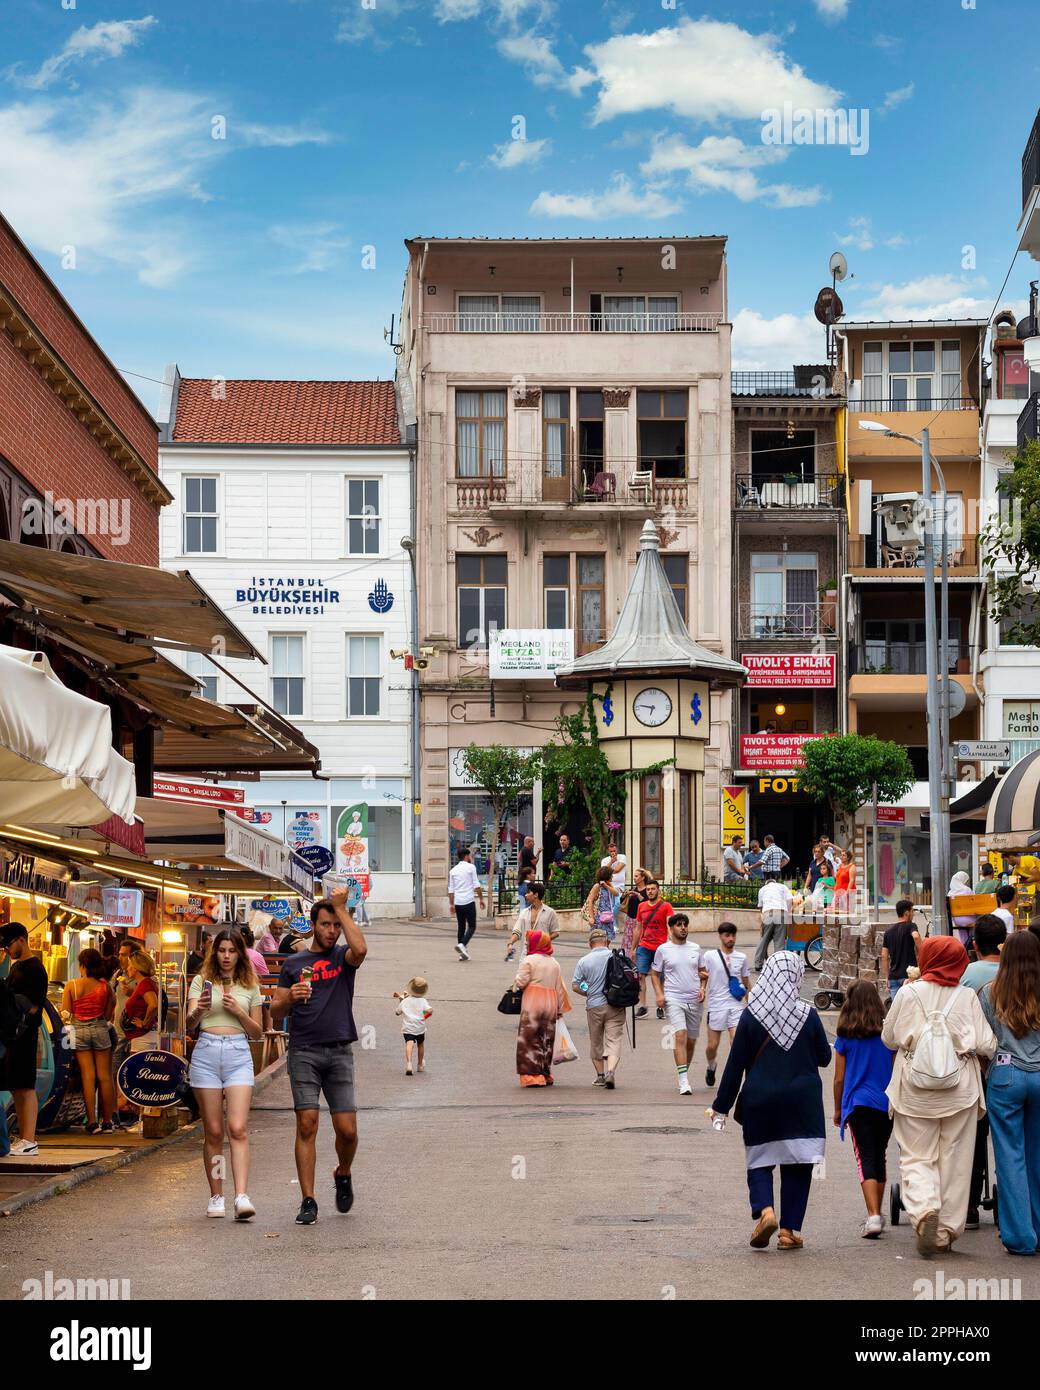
621	985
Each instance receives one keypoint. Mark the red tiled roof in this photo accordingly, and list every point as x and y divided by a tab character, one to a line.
286	412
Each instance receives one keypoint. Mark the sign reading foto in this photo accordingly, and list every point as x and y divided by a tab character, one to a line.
529	653
791	670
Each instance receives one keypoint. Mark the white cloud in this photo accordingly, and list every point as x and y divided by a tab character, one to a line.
896	98
775	344
448	11
703	69
318	245
513	154
535	53
109	39
280	137
620	199
726	164
833	9
929	297
860	236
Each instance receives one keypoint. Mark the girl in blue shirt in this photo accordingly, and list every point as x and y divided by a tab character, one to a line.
862	1072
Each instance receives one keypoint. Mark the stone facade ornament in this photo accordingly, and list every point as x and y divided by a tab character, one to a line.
531	396
616	399
482	536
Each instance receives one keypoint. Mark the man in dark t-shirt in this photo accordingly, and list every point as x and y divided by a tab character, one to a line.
316	992
528	854
899	950
28	978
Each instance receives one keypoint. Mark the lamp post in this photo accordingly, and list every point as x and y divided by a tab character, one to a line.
937	710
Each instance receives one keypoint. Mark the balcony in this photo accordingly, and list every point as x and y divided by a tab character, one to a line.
902	405
760	622
591	489
1029	421
870	558
1031	163
905	659
564	322
793	383
795	492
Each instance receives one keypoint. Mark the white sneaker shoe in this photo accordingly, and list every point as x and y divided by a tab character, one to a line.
463	953
25	1148
216	1207
872	1227
421	1067
244	1209
685	1089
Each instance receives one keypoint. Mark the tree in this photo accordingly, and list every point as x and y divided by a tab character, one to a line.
1011	543
843	768
505	774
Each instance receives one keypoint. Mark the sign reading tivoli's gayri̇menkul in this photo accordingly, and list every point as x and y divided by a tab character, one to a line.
278	596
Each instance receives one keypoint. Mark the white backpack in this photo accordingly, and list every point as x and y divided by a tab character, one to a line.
933	1064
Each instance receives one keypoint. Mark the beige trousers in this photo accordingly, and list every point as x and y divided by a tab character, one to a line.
935	1161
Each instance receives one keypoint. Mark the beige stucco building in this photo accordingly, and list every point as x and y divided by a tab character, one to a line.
564	392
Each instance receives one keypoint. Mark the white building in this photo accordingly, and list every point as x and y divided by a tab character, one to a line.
290	502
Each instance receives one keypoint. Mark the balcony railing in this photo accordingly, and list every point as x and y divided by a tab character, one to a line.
901	405
1029	421
590	487
762	621
798	491
783	384
868	553
1021	748
1031	163
905	659
571	323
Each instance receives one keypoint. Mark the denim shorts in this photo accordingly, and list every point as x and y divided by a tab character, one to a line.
645	959
322	1069
89	1035
219	1060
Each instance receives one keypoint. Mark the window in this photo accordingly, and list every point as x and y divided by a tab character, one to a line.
677	568
363	520
556	428
480	434
784	596
897	646
914	375
951	369
778	456
1026	611
385	829
662	432
364	677
590	593
556	589
494	313
471	822
200	516
590	435
873	374
640	313
287	673
651	802
481	584
204	673
685	825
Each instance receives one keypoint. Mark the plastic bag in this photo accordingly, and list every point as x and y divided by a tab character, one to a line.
563	1049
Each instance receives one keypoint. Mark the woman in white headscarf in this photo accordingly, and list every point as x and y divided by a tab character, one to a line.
960	885
777	1052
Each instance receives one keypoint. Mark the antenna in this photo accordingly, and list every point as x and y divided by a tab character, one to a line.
839	266
388	337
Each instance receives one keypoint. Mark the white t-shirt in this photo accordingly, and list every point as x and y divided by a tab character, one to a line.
774	897
679	967
618	879
463	882
1005	916
413	1014
718	985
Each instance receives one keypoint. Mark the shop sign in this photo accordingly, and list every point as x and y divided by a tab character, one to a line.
318	857
773	750
281	597
128	837
352	839
790	670
152	1079
122	907
358	886
253	849
299	874
459	776
1022	718
304	829
529	653
734	812
274	907
26	873
191	909
200	793
778	786
891	815
258	817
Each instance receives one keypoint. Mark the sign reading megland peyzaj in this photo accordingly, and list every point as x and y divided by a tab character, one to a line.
529	653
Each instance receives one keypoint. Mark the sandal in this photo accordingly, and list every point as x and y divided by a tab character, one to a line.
763	1232
787	1240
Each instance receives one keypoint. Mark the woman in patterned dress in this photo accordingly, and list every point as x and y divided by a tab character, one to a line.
545	1000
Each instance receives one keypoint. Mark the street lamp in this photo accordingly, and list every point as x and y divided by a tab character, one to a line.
938	712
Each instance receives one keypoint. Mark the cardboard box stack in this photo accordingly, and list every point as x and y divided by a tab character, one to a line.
850	953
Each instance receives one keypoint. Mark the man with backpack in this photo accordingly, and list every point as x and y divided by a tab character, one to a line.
27	978
606	1022
652	925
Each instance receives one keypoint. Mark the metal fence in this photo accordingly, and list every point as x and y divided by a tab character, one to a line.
567	895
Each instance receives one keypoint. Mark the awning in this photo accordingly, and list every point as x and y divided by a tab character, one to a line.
56	756
968	812
1014	811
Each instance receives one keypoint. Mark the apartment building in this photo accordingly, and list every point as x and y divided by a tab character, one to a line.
290	502
789	550
907	376
565	391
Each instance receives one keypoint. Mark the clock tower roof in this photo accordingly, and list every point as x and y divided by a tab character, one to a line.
650	637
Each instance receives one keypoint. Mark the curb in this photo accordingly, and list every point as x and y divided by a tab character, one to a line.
67	1181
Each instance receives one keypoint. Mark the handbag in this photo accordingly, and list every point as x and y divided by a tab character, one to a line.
735	987
563	1048
738	1104
511	1002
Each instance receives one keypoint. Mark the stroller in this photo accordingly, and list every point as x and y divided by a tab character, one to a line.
987	1202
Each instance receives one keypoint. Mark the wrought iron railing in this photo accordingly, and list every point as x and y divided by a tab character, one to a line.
813	382
761	621
568	895
1029	421
539	322
797	490
904	659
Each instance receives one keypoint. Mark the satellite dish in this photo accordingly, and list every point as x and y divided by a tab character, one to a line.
828	308
839	266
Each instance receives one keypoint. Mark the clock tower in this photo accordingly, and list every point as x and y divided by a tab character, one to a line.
653	686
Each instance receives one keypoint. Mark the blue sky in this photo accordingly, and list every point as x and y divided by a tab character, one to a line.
354	123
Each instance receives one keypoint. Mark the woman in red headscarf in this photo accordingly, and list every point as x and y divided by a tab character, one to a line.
545	1000
934	1126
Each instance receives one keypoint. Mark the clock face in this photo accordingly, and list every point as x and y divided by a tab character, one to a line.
652	707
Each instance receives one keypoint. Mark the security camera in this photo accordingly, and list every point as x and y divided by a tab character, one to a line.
427	651
398	653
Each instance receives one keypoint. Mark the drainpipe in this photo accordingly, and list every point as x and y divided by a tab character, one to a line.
409	546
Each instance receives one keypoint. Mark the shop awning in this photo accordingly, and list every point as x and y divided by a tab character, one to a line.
968	812
56	756
1014	811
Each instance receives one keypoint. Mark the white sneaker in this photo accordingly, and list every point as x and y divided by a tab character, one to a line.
25	1148
216	1207
685	1089
463	953
244	1209
421	1067
408	1069
872	1227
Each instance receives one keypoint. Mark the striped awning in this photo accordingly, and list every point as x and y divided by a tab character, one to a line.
1015	807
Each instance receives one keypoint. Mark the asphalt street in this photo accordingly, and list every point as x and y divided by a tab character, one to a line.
470	1188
